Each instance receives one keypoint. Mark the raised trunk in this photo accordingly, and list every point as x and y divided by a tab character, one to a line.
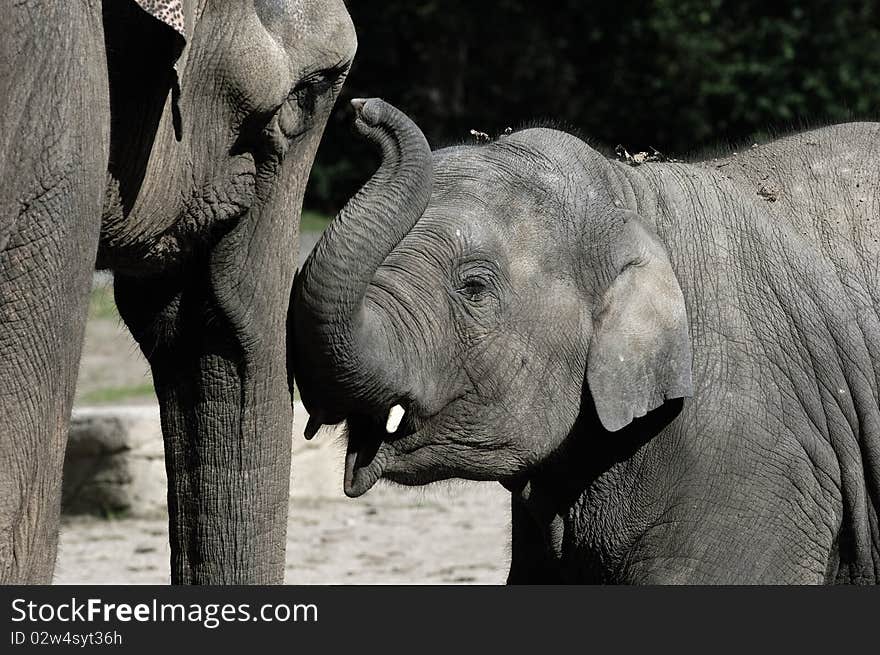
332	327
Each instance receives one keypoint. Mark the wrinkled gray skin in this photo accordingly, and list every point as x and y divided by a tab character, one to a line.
673	367
187	186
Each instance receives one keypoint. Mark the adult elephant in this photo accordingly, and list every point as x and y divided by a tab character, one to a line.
170	142
675	368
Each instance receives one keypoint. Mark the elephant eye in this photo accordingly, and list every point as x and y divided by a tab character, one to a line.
474	288
313	95
315	85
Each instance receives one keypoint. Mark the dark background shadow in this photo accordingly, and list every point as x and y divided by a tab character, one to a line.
676	75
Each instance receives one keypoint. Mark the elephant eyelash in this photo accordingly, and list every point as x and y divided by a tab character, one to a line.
317	86
477	278
321	81
473	288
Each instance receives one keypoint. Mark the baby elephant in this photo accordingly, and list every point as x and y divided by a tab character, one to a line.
673	367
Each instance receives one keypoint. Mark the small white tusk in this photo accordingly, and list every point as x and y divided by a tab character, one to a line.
395	416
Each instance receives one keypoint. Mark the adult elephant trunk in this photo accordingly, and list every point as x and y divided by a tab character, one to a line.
214	334
334	330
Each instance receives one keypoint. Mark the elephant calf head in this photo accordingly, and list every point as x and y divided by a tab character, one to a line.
466	303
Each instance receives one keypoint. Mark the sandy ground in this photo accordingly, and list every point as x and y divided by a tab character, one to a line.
453	532
390	536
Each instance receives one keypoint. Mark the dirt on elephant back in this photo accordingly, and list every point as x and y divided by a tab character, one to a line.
452	532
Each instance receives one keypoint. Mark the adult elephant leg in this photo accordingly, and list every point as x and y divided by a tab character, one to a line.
54	135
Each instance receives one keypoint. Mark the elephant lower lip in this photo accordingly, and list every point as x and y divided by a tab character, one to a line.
371	451
363	466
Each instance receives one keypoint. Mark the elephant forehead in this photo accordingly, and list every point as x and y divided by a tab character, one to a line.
504	199
482	186
513	238
506	172
322	25
266	54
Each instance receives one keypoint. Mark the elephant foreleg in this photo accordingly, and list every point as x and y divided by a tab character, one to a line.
54	118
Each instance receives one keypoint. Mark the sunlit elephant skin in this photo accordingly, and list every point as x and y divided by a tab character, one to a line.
674	367
172	148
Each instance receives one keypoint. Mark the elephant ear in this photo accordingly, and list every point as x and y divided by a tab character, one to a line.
169	12
640	351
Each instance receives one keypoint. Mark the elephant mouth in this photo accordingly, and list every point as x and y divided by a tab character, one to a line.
363	463
372	445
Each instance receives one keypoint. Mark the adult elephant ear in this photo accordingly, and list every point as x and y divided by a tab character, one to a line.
640	350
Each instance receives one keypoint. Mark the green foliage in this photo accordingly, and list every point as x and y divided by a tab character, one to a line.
313	221
115	395
101	303
114	513
678	75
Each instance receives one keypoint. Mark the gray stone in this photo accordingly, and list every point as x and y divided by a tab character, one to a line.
114	464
